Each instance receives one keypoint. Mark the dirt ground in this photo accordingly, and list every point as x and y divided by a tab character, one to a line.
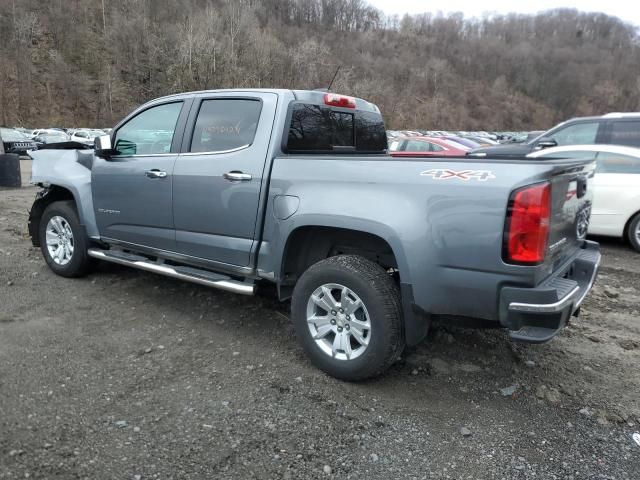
128	375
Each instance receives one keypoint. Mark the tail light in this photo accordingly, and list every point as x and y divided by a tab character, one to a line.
335	100
527	225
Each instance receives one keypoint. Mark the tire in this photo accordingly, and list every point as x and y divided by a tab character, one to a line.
633	233
73	261
348	278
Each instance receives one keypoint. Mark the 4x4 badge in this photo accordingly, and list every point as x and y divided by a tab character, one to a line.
466	175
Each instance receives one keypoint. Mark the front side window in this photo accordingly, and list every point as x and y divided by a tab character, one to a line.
225	124
150	132
617	163
626	133
579	134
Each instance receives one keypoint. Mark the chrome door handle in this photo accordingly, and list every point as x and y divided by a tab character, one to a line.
155	173
237	176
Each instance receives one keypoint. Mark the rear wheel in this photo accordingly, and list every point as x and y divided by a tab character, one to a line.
348	318
63	241
634	232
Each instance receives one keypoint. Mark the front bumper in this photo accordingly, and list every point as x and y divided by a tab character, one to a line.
536	315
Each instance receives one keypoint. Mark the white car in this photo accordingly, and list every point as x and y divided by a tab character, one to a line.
85	136
616	198
41	131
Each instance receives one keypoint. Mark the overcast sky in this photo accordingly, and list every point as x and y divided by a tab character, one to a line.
628	10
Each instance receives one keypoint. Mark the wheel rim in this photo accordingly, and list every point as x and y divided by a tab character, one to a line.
338	321
638	233
59	238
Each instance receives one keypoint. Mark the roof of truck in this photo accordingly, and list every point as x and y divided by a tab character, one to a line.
311	96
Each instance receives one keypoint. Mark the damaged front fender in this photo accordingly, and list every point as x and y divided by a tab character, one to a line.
69	170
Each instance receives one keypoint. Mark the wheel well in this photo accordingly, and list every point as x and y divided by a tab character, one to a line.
45	198
625	232
308	245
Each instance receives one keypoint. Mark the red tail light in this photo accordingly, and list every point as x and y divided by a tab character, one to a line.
527	226
339	100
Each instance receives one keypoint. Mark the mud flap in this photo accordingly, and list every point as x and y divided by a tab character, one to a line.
416	321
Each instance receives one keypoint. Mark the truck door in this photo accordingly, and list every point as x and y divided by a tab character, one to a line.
132	191
218	176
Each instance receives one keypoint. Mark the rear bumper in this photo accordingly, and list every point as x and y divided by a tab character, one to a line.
536	315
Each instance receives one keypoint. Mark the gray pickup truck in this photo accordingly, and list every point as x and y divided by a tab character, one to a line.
236	189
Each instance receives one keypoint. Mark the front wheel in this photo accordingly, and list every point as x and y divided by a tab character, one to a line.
63	241
634	232
348	317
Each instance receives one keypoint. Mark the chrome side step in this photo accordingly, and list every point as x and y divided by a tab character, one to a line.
189	274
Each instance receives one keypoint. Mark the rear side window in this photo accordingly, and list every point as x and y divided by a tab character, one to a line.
617	163
626	133
417	146
316	128
225	124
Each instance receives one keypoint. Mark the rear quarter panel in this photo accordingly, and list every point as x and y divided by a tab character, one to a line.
446	231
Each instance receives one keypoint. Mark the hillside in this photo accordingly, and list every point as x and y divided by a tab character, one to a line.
89	62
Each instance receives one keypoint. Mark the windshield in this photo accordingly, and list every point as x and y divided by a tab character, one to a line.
11	135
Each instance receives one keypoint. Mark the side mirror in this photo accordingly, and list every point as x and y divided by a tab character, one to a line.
546	142
102	146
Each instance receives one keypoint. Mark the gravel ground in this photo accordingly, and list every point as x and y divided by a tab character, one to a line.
128	375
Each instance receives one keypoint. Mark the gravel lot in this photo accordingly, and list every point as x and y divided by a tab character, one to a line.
128	375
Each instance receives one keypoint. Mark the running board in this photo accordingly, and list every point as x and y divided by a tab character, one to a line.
189	274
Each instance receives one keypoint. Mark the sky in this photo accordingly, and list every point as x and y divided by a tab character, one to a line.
627	10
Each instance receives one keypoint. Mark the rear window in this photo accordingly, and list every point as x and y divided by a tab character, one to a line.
316	128
626	133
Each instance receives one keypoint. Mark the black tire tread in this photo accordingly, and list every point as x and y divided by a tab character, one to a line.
80	265
633	225
388	292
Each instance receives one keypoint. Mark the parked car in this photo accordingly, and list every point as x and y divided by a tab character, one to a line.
294	188
52	137
616	200
16	142
612	129
482	141
86	137
461	142
424	147
39	131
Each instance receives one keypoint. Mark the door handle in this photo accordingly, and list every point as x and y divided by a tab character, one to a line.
237	176
155	173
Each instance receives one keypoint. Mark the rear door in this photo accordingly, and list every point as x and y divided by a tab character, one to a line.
218	175
617	193
132	191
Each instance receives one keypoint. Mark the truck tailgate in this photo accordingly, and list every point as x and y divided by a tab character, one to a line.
571	200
